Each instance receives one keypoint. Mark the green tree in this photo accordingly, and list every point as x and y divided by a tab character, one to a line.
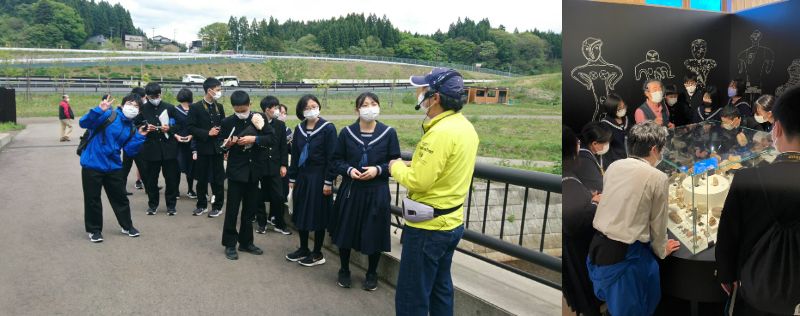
460	50
419	48
215	33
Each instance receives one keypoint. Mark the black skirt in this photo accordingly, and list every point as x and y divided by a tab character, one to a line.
310	207
361	217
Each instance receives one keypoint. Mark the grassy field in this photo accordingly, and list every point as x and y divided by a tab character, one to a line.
8	126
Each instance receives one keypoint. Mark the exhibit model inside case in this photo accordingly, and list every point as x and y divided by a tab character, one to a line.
701	161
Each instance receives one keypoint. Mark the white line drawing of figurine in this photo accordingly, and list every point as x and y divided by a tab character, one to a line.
756	60
794	78
597	75
653	68
700	65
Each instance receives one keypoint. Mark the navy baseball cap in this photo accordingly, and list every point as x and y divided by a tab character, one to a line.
444	80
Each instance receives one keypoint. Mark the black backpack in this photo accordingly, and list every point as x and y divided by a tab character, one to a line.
771	275
87	136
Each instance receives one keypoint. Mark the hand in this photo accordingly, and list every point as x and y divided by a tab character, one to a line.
230	142
106	104
291	185
659	121
143	130
188	138
246	140
283	171
164	128
394	162
327	190
729	287
179	138
194	155
214	131
672	246
670	125
369	173
355	174
225	156
151	127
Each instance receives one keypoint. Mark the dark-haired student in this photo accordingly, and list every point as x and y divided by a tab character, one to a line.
679	111
127	161
184	138
736	91
247	137
205	117
595	142
710	109
694	92
272	188
763	114
361	215
311	179
615	120
160	150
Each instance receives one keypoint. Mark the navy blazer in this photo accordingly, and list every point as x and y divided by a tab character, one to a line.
322	140
381	148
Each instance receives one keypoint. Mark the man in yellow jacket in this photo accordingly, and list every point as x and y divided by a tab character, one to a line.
438	176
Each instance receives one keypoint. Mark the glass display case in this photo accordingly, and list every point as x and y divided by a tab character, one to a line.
701	161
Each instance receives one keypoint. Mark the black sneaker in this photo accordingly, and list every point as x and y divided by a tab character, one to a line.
371	282
151	211
95	237
139	185
133	232
230	253
261	230
271	221
298	255
191	195
215	213
171	211
252	249
283	231
344	279
313	259
199	211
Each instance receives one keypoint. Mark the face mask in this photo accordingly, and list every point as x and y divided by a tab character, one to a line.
155	102
311	114
605	149
243	115
621	113
760	119
731	92
422	106
727	126
275	113
130	111
217	95
657	96
370	113
707	103
691	89
282	117
672	101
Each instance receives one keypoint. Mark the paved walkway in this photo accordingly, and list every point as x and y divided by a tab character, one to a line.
177	266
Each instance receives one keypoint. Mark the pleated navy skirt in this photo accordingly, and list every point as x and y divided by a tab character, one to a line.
361	218
310	207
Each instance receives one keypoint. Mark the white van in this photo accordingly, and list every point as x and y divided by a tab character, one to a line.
192	78
228	81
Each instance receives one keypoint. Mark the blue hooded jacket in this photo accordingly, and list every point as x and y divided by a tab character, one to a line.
103	152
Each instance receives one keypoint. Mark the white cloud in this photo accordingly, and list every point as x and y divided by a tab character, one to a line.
185	17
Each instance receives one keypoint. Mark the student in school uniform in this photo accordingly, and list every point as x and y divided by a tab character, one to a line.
311	179
128	161
763	114
184	138
595	142
204	124
247	139
289	137
361	216
272	190
736	90
615	120
160	151
710	109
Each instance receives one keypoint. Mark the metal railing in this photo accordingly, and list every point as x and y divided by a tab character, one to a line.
529	180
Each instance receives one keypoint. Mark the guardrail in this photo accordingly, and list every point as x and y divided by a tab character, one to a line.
529	180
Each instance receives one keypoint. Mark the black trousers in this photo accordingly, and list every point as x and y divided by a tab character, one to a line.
185	164
210	166
169	169
127	164
272	192
247	195
113	182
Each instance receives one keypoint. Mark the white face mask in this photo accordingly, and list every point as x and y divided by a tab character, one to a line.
217	95
672	101
276	113
369	113
691	89
422	106
311	114
621	113
760	119
605	149
243	115
130	111
727	126
657	96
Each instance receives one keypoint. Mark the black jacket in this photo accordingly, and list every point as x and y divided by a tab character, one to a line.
750	122
157	147
680	113
590	170
277	152
747	214
200	121
246	164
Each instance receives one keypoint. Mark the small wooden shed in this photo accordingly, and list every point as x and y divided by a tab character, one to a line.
486	95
